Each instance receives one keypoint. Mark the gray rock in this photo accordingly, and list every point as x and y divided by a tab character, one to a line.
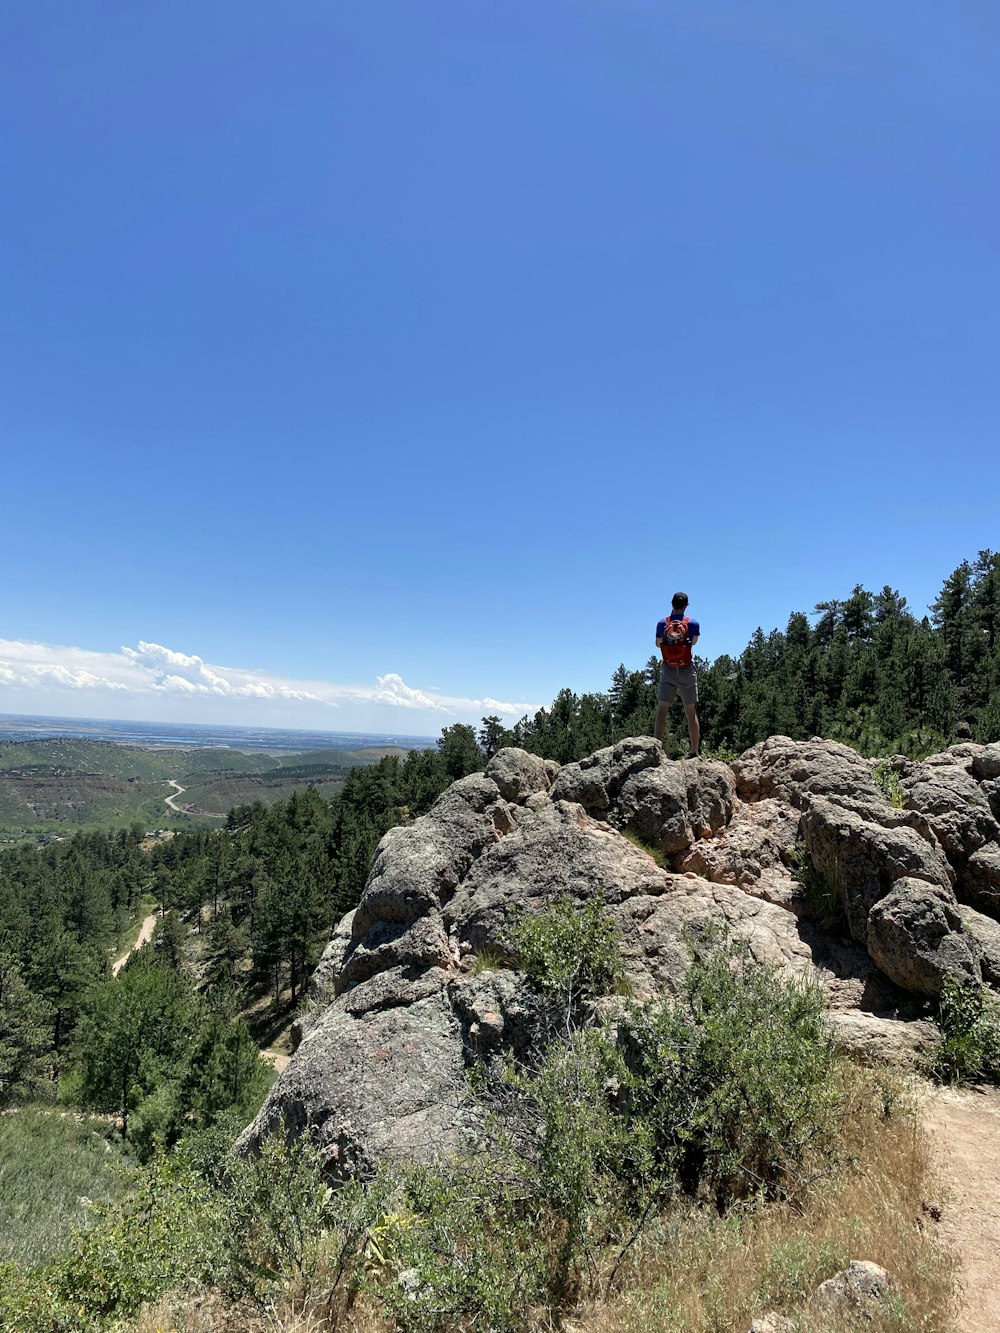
655	933
323	982
595	782
979	881
557	851
991	790
772	1323
986	764
672	805
954	805
796	771
387	945
862	860
400	1005
751	852
872	1039
386	1083
848	976
519	774
499	1012
915	935
860	1286
985	930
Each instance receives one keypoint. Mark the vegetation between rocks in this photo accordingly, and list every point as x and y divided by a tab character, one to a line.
678	1164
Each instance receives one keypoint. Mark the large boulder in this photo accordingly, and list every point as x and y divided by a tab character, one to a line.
595	782
954	805
796	771
753	852
985	930
556	851
862	860
915	935
388	1081
958	793
671	806
889	867
519	774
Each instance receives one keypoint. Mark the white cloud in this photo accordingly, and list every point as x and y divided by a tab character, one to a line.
392	689
155	671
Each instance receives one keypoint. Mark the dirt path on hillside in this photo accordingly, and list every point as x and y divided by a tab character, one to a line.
965	1130
172	800
145	935
179	809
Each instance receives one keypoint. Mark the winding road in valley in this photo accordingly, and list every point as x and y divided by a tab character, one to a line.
179	809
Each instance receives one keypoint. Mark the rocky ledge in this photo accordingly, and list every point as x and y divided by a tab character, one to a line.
402	1004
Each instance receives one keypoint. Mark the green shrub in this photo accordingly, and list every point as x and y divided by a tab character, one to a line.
570	953
733	1088
162	1237
565	1139
659	857
456	1249
969	1019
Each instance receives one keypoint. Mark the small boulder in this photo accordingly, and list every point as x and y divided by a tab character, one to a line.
772	1323
858	1287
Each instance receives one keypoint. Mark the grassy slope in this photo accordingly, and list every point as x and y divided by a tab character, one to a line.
50	1163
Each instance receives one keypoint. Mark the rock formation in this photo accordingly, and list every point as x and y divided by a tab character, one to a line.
412	988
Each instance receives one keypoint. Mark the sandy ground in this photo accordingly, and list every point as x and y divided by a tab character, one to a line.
965	1129
145	935
276	1058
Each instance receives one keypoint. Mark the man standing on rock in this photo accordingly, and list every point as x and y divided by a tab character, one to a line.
676	635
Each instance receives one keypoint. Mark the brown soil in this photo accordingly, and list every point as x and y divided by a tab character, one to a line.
965	1128
145	935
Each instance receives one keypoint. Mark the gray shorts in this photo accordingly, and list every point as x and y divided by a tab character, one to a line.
673	679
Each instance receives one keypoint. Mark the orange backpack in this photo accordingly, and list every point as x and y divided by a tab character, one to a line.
674	645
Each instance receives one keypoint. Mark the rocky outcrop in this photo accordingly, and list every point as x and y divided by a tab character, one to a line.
958	792
417	984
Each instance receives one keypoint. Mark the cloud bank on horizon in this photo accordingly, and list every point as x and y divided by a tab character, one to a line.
35	675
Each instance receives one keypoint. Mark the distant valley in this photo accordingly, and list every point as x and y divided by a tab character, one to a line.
57	785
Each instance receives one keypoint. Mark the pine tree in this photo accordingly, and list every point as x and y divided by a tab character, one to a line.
24	1035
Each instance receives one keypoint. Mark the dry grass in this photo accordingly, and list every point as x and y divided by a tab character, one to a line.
700	1273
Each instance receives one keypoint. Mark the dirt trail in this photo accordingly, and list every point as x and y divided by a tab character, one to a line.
145	935
965	1129
179	809
172	800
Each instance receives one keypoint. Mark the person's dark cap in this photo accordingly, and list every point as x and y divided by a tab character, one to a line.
679	599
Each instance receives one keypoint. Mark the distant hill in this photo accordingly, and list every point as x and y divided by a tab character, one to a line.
52	786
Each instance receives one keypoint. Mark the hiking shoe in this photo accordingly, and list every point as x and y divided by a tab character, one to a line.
695	754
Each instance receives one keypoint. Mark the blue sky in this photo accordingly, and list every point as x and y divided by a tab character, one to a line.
372	364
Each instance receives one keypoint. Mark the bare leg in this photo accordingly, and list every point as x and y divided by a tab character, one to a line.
694	730
660	725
